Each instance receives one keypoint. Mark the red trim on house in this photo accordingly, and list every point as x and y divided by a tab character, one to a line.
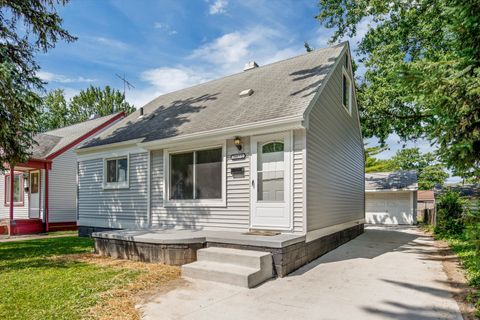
26	226
12	194
62	226
46	200
85	136
36	164
3	229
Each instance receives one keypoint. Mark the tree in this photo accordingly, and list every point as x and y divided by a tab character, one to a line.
55	111
96	101
373	164
431	176
411	159
422	62
429	171
26	27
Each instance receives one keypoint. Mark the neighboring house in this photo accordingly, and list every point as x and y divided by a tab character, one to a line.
425	205
391	197
45	187
277	147
426	199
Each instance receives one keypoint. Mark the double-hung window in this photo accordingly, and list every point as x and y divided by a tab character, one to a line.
116	172
196	176
17	189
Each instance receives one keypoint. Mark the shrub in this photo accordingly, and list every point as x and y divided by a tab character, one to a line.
450	214
472	219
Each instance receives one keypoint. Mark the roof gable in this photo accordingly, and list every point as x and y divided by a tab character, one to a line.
280	90
50	143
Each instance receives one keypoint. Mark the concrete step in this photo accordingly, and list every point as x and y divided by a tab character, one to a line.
243	268
246	258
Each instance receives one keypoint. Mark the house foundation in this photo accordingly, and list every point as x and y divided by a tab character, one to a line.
289	252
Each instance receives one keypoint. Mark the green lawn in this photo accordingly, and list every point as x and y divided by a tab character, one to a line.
470	260
35	285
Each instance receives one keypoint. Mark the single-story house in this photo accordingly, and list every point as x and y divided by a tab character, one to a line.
391	197
44	188
273	148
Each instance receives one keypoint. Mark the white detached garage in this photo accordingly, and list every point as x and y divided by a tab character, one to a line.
391	197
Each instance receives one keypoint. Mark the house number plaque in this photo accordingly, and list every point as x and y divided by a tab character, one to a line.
238	156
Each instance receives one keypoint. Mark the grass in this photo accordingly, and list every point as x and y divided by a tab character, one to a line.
60	278
470	260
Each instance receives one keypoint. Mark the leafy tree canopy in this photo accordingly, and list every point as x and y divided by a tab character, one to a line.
373	164
57	112
429	171
26	27
422	62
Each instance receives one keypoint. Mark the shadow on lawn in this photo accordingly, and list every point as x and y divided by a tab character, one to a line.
32	253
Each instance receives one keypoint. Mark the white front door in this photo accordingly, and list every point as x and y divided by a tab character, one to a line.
270	182
34	190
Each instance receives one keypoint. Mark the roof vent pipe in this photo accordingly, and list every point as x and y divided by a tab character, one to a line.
141	111
250	65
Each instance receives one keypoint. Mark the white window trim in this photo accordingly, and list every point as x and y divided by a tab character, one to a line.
347	75
116	185
167	202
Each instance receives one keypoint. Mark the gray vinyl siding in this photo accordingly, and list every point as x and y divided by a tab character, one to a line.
236	214
18	212
298	170
113	208
335	165
63	188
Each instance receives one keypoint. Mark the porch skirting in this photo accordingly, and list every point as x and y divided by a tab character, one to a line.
286	258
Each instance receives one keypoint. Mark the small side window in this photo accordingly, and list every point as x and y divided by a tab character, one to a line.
116	173
346	93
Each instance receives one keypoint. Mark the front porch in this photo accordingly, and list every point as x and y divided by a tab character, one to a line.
25	198
289	251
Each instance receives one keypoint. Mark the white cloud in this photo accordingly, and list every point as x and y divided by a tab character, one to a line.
165	28
228	53
110	42
222	56
218	7
168	79
54	77
226	49
164	80
69	93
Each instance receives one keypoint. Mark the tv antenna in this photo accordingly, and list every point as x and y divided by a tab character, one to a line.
126	84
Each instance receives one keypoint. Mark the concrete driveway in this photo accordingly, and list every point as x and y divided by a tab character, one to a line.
386	273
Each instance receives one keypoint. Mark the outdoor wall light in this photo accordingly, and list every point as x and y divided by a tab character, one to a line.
238	143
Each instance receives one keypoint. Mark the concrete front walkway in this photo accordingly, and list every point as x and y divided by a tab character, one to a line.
386	273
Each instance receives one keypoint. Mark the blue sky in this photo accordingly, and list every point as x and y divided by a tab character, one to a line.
167	45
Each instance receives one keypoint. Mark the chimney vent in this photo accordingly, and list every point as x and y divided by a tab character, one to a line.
141	111
250	65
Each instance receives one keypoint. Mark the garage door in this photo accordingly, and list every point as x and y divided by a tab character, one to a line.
389	208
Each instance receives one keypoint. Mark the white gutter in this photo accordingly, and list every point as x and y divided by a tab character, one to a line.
120	144
286	123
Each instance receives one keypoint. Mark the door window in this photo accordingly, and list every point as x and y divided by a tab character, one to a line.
270	172
34	182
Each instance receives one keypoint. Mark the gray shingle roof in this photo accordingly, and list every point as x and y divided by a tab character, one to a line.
391	180
51	141
280	89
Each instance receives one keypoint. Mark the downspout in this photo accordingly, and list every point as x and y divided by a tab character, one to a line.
12	185
46	197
